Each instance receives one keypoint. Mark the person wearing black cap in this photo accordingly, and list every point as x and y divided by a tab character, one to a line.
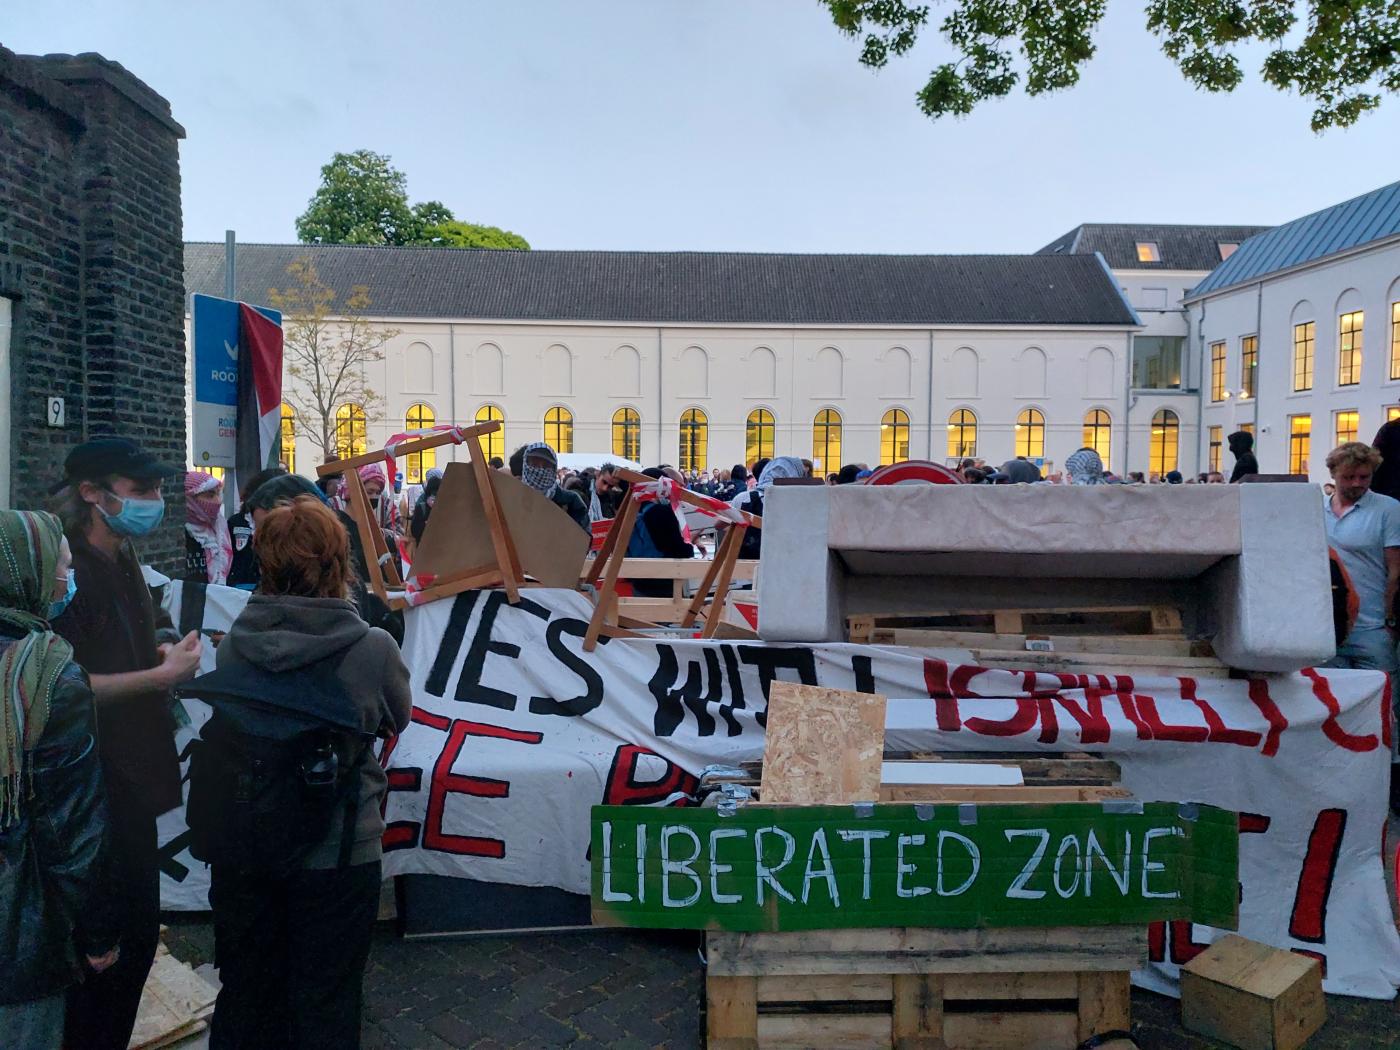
109	495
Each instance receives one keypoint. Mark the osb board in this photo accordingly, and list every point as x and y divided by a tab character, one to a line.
551	547
822	746
174	1003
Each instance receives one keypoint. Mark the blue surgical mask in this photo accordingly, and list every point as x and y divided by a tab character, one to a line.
137	516
57	608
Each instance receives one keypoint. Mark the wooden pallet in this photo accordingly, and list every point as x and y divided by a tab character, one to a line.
990	989
1063	622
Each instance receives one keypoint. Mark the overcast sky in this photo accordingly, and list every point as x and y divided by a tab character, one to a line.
694	124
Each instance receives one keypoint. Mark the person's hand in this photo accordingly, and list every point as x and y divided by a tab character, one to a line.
180	662
98	963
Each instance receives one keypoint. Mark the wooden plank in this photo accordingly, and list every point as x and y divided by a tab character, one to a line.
731	1013
622	528
1103	1003
1011	1031
891	950
405	448
677	568
822	746
371	537
827	1031
1167	666
916	1012
726	558
826	989
977	987
1115	620
506	557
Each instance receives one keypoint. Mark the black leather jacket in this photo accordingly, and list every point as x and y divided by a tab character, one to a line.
49	858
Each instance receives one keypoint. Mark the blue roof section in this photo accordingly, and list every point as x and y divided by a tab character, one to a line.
1351	224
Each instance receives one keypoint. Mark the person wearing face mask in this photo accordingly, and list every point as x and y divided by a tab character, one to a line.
208	544
111	494
539	468
52	816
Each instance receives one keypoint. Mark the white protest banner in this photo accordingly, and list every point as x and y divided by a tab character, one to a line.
517	733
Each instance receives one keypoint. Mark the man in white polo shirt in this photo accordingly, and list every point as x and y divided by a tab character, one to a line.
1363	527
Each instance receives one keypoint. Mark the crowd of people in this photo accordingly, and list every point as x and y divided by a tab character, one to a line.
93	670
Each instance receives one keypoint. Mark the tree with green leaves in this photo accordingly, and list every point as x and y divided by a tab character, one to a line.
1343	61
327	347
363	199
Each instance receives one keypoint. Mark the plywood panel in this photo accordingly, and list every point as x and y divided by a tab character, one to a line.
550	545
823	746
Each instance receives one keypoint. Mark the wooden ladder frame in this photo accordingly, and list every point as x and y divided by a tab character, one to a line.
384	578
614	550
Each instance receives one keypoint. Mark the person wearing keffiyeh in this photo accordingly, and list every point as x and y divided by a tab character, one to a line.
208	542
52	816
1085	468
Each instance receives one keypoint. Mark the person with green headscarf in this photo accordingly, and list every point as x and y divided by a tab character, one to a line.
53	817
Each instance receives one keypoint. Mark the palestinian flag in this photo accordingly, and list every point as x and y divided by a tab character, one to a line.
259	443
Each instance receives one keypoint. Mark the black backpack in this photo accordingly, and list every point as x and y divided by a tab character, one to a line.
278	760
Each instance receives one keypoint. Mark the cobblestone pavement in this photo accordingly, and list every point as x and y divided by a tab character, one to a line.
630	990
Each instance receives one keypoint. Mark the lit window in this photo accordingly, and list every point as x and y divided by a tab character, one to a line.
559	429
826	441
1395	340
1217	371
1030	433
1227	249
759	436
1347	425
695	439
1147	252
1349	348
1304	337
1299	443
1098	432
1249	365
1213	452
1162	450
289	437
894	437
627	434
416	464
351	438
962	433
1392	412
493	445
1248	428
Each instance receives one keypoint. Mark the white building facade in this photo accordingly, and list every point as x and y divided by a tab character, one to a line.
863	359
1298	337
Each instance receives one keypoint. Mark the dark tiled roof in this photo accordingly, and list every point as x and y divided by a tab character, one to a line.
686	287
1180	247
1371	217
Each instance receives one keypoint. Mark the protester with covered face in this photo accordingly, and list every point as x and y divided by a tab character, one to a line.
208	542
110	495
539	468
381	501
243	572
53	816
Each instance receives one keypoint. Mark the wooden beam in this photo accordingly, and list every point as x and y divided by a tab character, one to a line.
456	436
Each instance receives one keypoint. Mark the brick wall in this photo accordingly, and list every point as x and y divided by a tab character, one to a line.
91	254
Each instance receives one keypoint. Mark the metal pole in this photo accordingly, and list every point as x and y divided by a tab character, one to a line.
230	250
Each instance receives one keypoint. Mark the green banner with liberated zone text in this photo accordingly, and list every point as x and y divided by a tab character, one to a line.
955	866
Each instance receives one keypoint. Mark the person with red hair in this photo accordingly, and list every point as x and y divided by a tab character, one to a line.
292	939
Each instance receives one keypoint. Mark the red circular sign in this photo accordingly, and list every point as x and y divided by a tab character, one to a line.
914	472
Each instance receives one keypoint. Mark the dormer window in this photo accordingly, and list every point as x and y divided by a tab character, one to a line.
1147	252
1227	249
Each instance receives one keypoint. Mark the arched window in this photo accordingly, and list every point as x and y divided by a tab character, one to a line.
1098	430
759	435
695	439
1030	433
826	441
627	434
1166	428
289	437
962	433
416	464
493	445
559	429
894	437
351	438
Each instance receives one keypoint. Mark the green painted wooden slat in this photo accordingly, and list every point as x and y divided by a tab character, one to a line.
827	867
